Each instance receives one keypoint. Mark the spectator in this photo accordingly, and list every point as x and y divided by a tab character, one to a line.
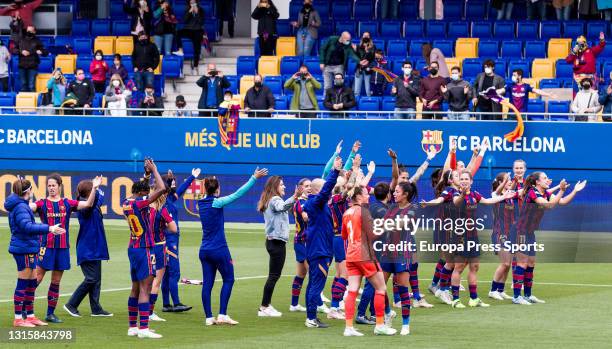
563	9
483	82
430	55
22	9
379	81
535	8
98	69
181	107
406	90
151	102
365	52
587	10
504	9
586	105
584	58
518	92
57	85
17	29
118	68
439	8
226	12
333	57
141	18
303	85
117	96
259	97
84	92
5	58
145	59
192	30
431	93
137	95
29	48
458	93
388	9
339	97
164	27
605	100
212	83
266	15
307	25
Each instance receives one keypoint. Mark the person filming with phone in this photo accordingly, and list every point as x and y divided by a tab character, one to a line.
213	83
149	101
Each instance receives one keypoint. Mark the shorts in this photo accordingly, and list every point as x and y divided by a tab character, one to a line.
498	239
142	263
523	243
467	251
54	258
161	259
25	260
300	251
395	268
362	268
339	251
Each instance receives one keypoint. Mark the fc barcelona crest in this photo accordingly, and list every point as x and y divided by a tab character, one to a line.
194	193
432	139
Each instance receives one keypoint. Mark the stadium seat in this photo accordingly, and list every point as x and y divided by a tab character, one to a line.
268	65
501	66
67	63
414	29
488	48
313	65
466	48
83	62
550	83
233	80
397	48
559	107
83	45
285	46
379	43
396	65
482	30
512	49
275	84
528	30
124	45
26	102
7	101
471	68
116	9
323	7
45	40
294	9
593	28
284	27
436	29
390	29
62	40
172	66
476	9
453	9
459	29
518	64
535	49
246	65
341	9
81	28
41	82
536	106
550	29
46	64
364	9
503	30
415	48
453	62
559	48
345	26
290	65
121	27
246	82
158	70
446	46
212	29
408	9
606	69
106	44
100	27
368	26
573	29
281	103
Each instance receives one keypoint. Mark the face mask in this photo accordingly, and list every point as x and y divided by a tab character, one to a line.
180	106
143	41
30	34
227	98
433	71
80	77
307	6
98	57
116	83
407	71
586	86
488	70
455	76
258	84
366	39
515	79
339	82
346	43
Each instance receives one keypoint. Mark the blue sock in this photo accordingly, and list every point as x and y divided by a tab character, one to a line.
296	288
366	298
494	286
405	299
518	276
455	292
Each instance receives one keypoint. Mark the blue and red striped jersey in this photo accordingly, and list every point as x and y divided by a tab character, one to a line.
338	205
52	213
137	212
160	219
531	213
300	224
468	211
447	209
505	214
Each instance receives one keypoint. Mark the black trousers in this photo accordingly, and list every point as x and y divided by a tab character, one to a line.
277	251
230	27
91	285
267	47
195	36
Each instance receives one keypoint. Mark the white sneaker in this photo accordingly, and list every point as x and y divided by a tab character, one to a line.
405	330
132	332
226	320
389	318
433	289
520	300
397	304
295	308
335	314
457	304
146	333
461	288
178	53
384	330
495	295
422	304
269	311
533	299
323	309
504	295
155	317
477	303
445	297
341	305
210	321
325	299
352	332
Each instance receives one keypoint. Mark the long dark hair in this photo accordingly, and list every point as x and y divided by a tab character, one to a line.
530	182
426	51
270	190
499	179
211	184
445	181
410	190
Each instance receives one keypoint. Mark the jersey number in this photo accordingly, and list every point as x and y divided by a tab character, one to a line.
349	226
135	225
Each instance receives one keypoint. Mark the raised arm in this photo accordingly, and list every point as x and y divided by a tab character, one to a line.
498	198
330	162
183	187
159	182
354	150
577	188
394	169
451	157
278	205
421	170
92	195
366	180
323	197
226	200
476	160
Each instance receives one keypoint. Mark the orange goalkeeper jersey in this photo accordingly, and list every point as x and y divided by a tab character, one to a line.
358	234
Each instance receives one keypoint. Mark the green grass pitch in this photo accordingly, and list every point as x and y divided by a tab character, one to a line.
577	312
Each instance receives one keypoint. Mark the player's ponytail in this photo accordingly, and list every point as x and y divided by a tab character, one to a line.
211	184
444	182
21	186
410	190
84	188
530	182
499	179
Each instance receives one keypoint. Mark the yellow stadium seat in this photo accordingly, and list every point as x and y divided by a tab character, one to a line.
269	65
41	82
67	63
246	82
559	48
158	70
534	83
453	62
124	45
285	46
466	48
543	68
106	44
26	102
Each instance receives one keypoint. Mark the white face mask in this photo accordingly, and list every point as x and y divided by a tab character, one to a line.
488	70
116	83
98	57
514	79
227	99
455	76
407	71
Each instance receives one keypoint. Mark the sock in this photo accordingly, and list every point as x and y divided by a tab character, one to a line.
28	303
473	291
455	292
500	287
414	281
438	272
366	298
349	307
387	307
132	311
19	297
405	299
528	281
52	297
152	300
379	307
513	263
517	280
296	288
396	296
143	312
445	279
494	286
338	288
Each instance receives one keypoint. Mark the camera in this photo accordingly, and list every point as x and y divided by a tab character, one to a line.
213	73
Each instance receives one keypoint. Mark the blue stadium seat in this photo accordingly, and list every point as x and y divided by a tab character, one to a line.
275	83
453	9
396	65
7	101
415	48
172	66
323	7
294	9
573	29
46	64
246	65
341	9
326	29
408	9
536	106
504	30
472	67
482	30
606	69
476	10
379	44
180	8
348	26
535	49
364	9
559	107
512	49
446	46
528	30
280	103
420	64
436	29
391	29
100	27
284	27
121	27
97	103
388	103
290	65
233	80
127	62
369	104
414	29
312	63
550	29
81	27
563	70
593	28
459	29
488	48
188	50
567	82
550	83
212	29
116	9
45	40
83	62
83	46
501	66
208	6
397	48
368	26
523	64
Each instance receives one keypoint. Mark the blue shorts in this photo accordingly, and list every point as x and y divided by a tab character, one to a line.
160	257
468	251
395	268
54	258
523	242
300	251
142	263
339	251
498	238
25	260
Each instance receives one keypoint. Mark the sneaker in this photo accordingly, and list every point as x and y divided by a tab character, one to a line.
389	318
323	309
341	305
35	321
210	321
335	314
72	310
180	307
504	295
297	308
155	317
422	303
178	53
102	313
477	303
384	331
364	320
496	295
397	305
226	320
268	311
405	330
433	289
445	297
22	323
533	299
457	304
461	288
520	300
146	333
167	308
53	319
324	299
316	323
132	332
352	332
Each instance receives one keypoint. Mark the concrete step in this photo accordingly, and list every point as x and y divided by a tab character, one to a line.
235	41
233	51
